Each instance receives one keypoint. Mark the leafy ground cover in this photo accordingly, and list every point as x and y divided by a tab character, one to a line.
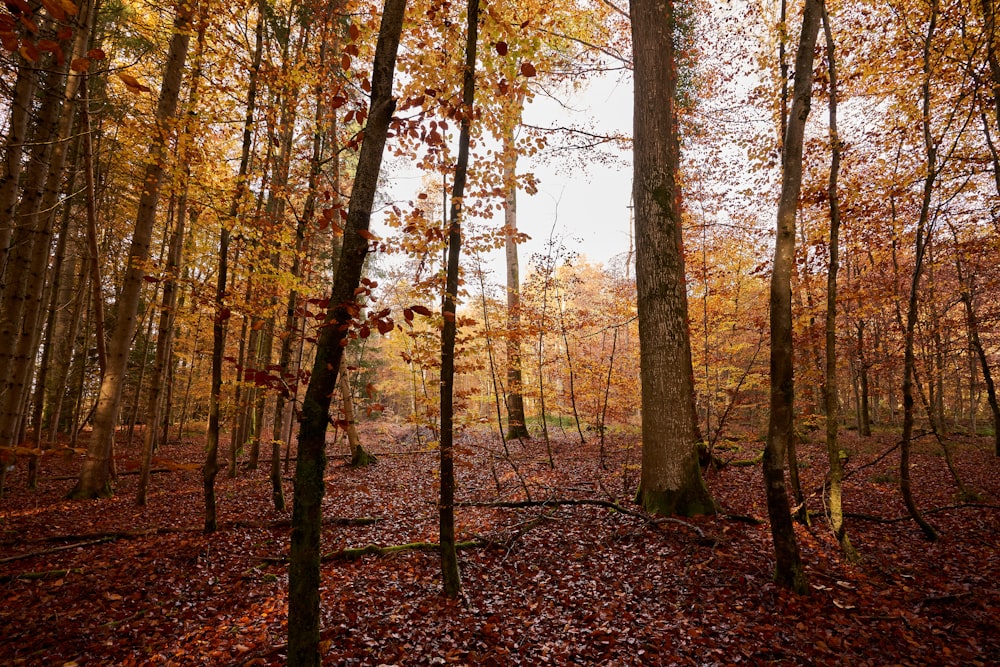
106	582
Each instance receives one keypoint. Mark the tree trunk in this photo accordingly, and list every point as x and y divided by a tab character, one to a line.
17	133
909	359
832	403
94	477
450	575
516	426
671	481
303	570
788	564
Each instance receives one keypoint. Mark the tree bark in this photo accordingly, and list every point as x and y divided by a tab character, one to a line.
516	425
671	481
450	575
304	559
832	404
94	477
909	358
781	429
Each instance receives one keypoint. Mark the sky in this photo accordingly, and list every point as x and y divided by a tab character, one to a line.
581	201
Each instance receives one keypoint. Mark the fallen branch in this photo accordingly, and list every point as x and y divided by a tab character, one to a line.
375	550
46	574
901	519
167	530
743	463
65	547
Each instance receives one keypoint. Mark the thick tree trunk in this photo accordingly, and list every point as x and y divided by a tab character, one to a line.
864	413
671	481
788	564
17	132
516	426
94	477
303	570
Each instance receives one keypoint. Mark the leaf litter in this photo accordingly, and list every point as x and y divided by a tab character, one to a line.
106	582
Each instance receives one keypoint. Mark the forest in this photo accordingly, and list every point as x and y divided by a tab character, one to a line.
268	398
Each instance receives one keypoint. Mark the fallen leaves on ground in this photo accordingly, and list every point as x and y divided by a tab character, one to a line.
106	582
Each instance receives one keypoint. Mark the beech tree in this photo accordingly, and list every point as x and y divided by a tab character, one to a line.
671	477
303	571
781	429
94	476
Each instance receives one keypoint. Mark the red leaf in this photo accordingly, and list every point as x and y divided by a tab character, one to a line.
528	70
421	310
501	48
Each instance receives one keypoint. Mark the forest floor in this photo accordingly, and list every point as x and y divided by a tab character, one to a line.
108	583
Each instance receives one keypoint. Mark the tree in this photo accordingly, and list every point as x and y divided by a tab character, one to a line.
788	571
94	476
831	399
671	480
449	558
303	571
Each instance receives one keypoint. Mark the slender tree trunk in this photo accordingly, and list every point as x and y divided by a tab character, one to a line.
788	564
909	359
304	559
94	477
832	404
450	575
211	467
671	481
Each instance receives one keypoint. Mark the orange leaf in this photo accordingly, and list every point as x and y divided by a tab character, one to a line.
28	23
80	65
133	84
96	54
345	61
527	69
367	235
353	32
54	10
421	310
29	52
